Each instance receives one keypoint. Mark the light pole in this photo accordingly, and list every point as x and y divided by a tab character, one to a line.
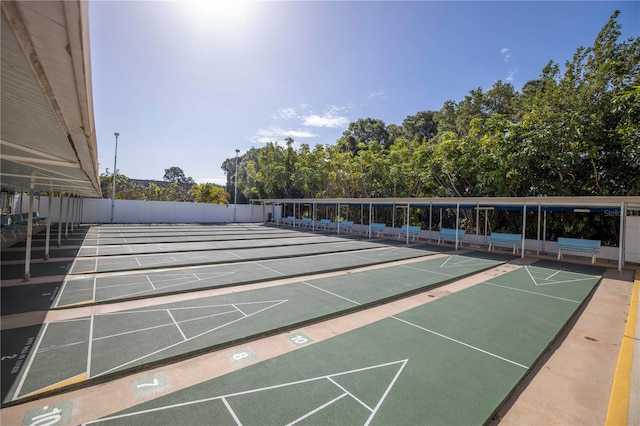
115	159
235	189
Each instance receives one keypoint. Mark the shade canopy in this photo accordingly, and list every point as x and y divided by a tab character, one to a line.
47	139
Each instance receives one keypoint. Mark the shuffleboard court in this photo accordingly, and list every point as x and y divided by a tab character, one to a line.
452	361
114	250
75	351
133	262
97	288
183	233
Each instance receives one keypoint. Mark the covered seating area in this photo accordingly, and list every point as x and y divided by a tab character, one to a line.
48	139
468	219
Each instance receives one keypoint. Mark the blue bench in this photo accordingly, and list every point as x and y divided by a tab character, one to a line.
17	219
289	220
578	245
306	222
447	234
9	229
324	224
347	225
509	240
277	218
377	228
412	230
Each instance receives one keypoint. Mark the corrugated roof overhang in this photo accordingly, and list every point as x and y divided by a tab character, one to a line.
47	137
593	204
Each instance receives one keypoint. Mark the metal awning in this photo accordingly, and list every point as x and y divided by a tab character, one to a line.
515	203
47	136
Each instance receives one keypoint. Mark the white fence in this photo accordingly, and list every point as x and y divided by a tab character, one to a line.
97	210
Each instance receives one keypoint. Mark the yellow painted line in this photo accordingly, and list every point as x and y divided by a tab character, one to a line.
84	302
70	381
618	413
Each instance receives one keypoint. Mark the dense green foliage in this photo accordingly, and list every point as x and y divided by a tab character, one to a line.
575	132
175	188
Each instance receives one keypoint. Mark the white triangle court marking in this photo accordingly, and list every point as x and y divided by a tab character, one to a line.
189	339
225	398
464	262
564	281
169	286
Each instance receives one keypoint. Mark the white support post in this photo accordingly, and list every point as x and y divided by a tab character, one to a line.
623	217
544	232
430	213
48	232
538	236
524	225
457	223
60	223
478	225
27	258
66	228
370	219
73	213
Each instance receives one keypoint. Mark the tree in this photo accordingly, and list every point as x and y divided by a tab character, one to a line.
569	132
365	130
421	125
209	193
175	174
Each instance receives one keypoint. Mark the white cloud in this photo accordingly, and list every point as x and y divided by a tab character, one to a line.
511	73
332	117
379	95
506	53
273	134
325	120
286	113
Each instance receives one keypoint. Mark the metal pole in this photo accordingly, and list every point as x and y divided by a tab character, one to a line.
457	223
60	223
478	225
73	214
48	232
370	218
539	220
623	216
430	218
544	233
524	228
407	222
27	259
235	189
66	226
115	159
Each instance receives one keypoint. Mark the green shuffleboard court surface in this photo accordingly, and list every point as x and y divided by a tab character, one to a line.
452	361
82	289
91	347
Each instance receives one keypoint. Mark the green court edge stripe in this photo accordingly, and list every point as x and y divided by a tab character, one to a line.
618	413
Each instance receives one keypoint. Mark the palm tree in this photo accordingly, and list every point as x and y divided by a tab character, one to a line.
209	193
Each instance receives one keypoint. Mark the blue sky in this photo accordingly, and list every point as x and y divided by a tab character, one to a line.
186	83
